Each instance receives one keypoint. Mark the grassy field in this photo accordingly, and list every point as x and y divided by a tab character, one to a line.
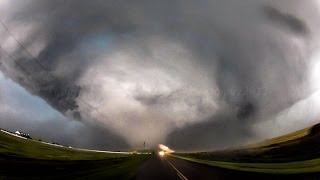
281	139
298	152
23	158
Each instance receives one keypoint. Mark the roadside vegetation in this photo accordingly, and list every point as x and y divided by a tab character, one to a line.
31	159
297	152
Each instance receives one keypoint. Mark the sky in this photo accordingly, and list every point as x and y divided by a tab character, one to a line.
196	75
22	111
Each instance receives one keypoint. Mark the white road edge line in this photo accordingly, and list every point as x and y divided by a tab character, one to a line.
179	173
181	177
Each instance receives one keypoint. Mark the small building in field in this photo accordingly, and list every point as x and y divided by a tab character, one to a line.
19	133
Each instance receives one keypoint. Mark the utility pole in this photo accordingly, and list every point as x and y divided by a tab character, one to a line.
144	146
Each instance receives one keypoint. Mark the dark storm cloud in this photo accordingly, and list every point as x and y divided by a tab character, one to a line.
64	131
63	30
157	99
282	19
20	111
56	91
173	64
218	132
84	135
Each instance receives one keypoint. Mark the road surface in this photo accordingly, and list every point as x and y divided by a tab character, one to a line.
170	168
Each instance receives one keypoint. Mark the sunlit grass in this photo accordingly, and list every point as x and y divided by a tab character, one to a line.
25	158
297	152
308	166
281	139
14	146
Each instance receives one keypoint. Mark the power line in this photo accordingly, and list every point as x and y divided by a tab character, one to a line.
20	44
40	65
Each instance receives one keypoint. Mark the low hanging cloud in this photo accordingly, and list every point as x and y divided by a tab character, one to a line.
157	70
20	111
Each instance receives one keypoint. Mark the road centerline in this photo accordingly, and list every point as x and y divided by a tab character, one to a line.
181	177
178	172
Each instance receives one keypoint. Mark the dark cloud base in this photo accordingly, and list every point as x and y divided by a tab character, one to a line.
218	132
228	45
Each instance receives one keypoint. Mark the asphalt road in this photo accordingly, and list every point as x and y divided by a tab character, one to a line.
25	168
167	168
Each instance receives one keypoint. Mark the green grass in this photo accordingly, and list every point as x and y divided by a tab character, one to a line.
297	152
309	166
24	158
281	139
26	148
